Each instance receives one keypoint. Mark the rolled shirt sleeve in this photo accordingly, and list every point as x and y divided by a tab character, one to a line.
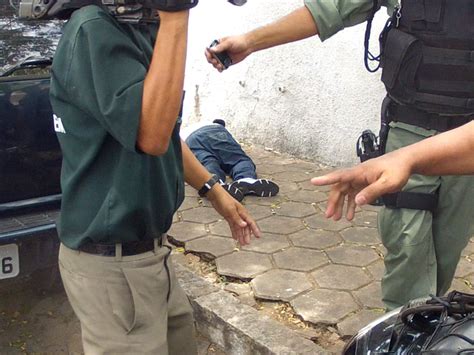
331	16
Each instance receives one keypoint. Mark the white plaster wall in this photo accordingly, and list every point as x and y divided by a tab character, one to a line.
309	99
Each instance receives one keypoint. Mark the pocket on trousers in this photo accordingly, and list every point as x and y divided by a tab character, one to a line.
122	303
404	228
402	56
136	301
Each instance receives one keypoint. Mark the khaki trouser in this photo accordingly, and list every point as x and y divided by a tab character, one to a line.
423	249
122	303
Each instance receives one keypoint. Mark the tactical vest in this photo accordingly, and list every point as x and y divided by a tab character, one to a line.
428	56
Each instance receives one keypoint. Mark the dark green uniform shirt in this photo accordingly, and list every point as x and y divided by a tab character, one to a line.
111	192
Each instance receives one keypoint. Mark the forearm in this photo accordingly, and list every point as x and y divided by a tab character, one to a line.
296	26
449	153
195	174
163	86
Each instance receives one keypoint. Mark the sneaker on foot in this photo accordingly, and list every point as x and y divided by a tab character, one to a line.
234	190
259	187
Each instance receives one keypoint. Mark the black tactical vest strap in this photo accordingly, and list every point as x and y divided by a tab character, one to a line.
434	55
444	100
411	115
428	56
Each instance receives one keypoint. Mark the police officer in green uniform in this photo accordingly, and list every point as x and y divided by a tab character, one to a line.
428	71
116	93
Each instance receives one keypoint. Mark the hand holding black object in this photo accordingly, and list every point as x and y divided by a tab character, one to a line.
222	57
172	5
237	48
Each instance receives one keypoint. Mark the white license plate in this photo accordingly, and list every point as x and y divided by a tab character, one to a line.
9	261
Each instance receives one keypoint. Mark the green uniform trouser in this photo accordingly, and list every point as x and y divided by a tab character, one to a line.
423	249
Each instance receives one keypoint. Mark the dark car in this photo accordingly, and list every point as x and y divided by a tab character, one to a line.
30	164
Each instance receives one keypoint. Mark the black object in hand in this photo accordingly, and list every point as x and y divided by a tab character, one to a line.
222	57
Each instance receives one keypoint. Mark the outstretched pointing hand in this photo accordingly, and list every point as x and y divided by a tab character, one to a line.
363	183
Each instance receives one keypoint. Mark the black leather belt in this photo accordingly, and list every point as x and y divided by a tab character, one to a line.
128	248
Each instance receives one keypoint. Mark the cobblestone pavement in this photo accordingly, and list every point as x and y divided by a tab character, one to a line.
314	275
327	272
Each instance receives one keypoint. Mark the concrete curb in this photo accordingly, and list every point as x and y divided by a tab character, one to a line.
236	327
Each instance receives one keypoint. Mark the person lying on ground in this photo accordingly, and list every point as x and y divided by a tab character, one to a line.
218	151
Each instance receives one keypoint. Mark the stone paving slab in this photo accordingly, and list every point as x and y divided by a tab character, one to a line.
324	306
376	270
341	263
243	264
300	259
321	222
280	224
341	277
268	244
211	247
370	296
353	255
365	219
315	239
295	209
186	231
309	197
236	327
361	235
280	285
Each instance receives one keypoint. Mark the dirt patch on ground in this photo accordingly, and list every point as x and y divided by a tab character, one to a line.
39	320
